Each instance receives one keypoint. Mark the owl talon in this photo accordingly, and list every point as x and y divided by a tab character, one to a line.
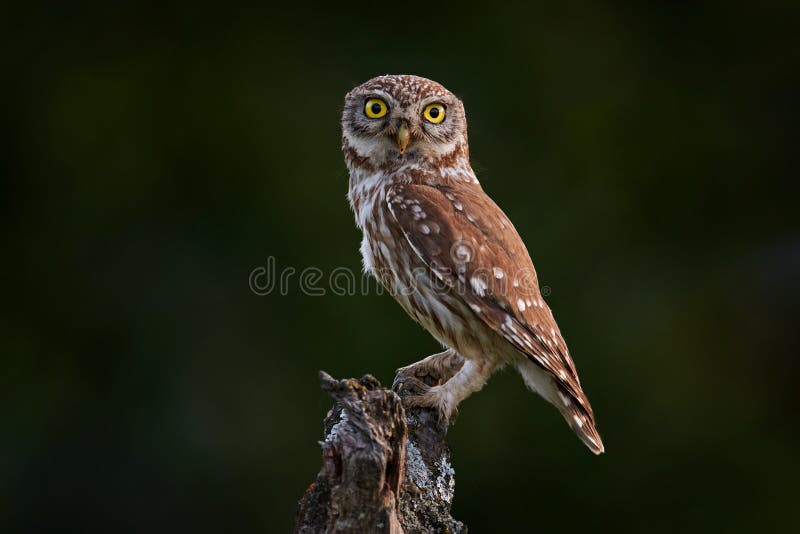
409	386
414	392
436	369
413	370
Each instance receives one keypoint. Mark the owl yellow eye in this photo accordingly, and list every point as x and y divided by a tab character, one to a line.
434	113
375	108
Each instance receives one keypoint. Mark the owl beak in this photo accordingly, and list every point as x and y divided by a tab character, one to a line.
403	136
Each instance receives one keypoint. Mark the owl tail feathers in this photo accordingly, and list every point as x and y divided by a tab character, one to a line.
590	437
582	423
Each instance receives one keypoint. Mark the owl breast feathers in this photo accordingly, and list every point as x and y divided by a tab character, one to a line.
447	252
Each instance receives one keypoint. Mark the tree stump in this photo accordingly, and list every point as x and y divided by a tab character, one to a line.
383	469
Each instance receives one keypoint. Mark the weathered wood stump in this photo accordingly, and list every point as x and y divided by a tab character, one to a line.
383	469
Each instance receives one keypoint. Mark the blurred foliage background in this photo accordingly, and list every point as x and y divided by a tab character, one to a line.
152	156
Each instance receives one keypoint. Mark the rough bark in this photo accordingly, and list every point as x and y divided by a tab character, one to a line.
383	469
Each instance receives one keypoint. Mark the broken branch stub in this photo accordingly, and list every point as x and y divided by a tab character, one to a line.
383	469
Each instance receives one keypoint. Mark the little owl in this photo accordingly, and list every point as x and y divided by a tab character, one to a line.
447	253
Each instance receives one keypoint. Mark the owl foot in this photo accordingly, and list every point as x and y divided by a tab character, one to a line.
435	369
410	384
422	384
416	393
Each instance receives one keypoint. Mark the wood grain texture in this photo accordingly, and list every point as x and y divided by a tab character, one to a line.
383	469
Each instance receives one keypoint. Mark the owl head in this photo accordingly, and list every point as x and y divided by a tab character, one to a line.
398	119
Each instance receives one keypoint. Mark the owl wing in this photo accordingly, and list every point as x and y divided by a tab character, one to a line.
468	243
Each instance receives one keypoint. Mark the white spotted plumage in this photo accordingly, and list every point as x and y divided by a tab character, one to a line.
448	254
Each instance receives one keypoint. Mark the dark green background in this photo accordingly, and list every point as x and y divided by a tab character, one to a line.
152	157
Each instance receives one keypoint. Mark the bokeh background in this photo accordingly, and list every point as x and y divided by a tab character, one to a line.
152	156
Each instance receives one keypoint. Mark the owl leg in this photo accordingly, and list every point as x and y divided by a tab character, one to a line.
446	397
434	369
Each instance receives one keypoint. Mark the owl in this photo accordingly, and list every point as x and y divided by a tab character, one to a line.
448	254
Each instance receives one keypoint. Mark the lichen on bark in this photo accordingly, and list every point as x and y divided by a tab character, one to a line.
383	469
